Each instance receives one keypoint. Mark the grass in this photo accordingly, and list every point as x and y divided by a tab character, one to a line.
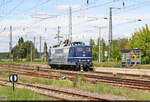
107	64
117	65
6	93
3	74
23	62
102	88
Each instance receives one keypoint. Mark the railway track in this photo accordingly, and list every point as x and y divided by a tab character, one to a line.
53	92
94	78
45	69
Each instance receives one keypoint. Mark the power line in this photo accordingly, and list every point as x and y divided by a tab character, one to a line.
98	5
36	6
19	4
73	11
131	7
1	5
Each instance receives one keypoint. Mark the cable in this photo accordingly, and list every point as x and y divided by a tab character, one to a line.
35	6
21	2
5	3
72	11
143	4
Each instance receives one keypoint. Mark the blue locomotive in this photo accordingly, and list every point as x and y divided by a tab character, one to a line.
76	56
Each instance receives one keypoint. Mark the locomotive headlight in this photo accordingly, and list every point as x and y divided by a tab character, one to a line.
79	60
88	60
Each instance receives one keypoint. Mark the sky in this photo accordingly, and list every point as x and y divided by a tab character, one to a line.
35	18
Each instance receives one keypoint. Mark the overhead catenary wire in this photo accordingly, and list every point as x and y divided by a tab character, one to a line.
38	5
15	7
94	7
61	15
49	17
1	5
133	7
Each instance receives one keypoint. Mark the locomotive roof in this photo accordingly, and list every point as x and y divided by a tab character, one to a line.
70	46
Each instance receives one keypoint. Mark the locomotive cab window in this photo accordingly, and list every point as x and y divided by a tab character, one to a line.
79	49
87	49
71	50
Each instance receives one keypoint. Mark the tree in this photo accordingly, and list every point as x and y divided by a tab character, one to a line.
66	41
122	43
20	41
104	48
94	49
92	43
116	50
23	50
141	40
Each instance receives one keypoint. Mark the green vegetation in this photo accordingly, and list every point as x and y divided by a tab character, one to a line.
45	52
3	54
130	94
3	74
118	65
23	50
101	88
6	93
118	45
141	39
23	62
61	83
107	64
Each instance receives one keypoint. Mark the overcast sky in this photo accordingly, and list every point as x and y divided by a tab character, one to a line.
37	18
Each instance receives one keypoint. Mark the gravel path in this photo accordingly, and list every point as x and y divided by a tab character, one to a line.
124	70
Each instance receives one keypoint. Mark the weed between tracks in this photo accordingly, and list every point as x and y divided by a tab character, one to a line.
24	62
6	93
101	88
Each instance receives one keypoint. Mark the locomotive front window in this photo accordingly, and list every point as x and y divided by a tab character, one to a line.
79	49
87	49
59	51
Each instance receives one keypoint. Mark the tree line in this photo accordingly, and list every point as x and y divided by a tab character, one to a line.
139	40
26	49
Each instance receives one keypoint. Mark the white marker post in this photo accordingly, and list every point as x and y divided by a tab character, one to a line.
13	78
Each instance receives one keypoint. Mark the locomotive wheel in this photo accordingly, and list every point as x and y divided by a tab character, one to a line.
77	68
91	69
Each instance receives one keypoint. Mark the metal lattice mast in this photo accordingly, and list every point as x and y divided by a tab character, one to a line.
99	54
70	24
58	32
40	46
10	45
34	49
110	36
